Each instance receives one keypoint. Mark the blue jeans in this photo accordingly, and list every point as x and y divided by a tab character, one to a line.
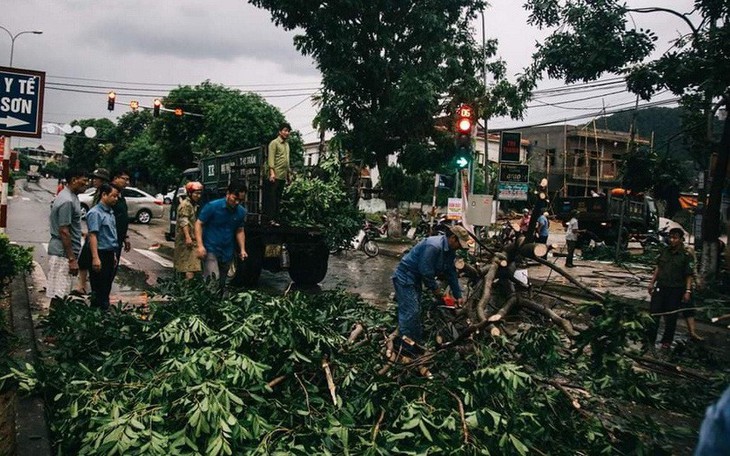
409	310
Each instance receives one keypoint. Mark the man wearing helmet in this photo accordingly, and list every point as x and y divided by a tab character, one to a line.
524	221
185	258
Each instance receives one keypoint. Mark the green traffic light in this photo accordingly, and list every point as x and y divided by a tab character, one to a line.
462	162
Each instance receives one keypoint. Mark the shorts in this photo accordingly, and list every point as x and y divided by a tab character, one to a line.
60	282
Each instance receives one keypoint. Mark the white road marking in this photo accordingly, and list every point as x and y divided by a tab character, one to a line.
25	198
45	246
125	262
164	262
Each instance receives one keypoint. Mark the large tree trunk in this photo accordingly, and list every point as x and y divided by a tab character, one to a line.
711	222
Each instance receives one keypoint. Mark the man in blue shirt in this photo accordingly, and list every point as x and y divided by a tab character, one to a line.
715	429
103	245
543	230
432	256
219	227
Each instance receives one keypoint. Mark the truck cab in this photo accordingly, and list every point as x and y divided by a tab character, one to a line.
615	217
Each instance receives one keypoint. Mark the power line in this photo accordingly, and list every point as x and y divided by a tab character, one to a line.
177	84
589	115
157	90
141	95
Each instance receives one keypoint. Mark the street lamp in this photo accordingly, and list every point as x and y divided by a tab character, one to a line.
14	37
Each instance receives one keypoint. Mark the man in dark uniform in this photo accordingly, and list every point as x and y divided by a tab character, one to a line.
670	288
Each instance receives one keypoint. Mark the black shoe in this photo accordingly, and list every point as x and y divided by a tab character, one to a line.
569	265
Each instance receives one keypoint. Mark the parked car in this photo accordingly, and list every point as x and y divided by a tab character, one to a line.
172	194
142	207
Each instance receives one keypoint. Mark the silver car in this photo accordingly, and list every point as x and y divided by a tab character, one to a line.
141	206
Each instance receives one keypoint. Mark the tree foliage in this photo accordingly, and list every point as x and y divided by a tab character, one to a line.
83	151
389	68
248	374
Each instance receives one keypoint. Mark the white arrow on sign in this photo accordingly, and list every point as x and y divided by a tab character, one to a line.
12	122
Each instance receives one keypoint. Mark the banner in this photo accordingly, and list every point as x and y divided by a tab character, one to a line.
509	147
454	209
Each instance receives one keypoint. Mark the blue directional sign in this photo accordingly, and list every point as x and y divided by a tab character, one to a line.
21	102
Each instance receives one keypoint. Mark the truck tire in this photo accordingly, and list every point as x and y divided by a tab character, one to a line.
308	264
249	271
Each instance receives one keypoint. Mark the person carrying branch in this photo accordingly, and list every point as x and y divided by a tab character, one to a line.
670	289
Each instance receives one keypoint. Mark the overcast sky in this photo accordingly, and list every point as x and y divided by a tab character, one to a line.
153	46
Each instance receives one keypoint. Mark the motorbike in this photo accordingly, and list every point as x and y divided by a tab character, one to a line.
363	241
426	227
660	238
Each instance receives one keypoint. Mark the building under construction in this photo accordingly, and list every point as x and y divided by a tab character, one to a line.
578	160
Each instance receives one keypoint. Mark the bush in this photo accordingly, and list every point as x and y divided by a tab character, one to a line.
14	260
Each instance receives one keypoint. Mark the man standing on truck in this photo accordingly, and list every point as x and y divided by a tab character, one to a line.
219	223
278	165
670	289
432	256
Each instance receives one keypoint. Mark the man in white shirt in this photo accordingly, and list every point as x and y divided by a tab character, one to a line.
571	237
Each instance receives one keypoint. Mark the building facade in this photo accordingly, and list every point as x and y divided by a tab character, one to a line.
578	160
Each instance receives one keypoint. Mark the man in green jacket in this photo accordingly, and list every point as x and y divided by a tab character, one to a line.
278	176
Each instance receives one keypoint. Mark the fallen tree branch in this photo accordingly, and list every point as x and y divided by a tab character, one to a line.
571	279
376	429
566	325
276	381
330	380
487	291
669	367
573	401
476	327
462	415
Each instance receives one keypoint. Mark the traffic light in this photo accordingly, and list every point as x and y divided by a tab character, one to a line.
463	158
462	136
179	112
134	105
110	101
156	107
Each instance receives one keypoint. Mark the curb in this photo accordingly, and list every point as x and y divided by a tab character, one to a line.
31	429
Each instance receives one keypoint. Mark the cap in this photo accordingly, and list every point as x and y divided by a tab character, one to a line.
525	211
462	235
101	173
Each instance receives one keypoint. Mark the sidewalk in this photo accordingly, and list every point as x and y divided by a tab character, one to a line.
31	429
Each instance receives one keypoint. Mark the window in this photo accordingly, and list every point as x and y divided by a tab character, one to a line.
129	193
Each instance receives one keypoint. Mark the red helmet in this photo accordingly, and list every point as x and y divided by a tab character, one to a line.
191	187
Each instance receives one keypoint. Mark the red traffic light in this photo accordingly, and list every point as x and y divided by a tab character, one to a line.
156	107
179	112
134	105
110	101
464	119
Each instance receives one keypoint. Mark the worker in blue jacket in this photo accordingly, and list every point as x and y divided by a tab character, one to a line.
431	257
